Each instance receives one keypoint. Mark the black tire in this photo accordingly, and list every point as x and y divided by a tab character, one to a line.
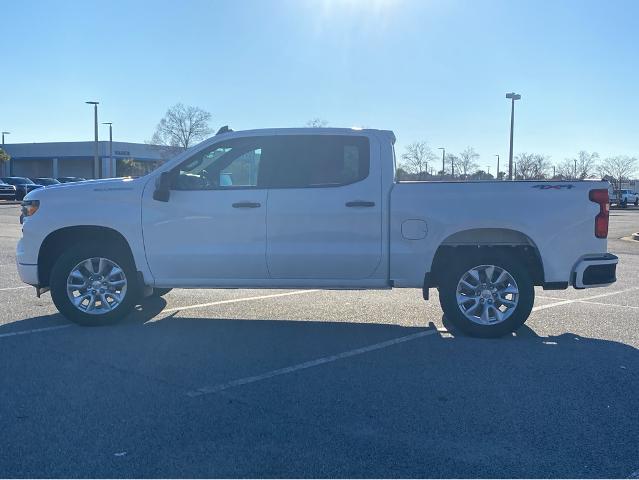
503	260
636	202
160	292
67	262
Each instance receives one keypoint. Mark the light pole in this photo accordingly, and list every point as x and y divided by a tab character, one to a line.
3	134
110	169
96	155
443	160
512	96
497	167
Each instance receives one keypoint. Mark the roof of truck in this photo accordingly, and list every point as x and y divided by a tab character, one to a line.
315	131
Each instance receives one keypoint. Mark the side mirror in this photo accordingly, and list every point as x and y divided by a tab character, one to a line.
162	190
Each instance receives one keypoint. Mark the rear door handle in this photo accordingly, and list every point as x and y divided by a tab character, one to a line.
360	203
247	205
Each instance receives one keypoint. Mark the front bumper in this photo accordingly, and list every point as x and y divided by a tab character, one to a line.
599	271
28	273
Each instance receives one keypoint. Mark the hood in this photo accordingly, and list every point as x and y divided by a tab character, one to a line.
85	187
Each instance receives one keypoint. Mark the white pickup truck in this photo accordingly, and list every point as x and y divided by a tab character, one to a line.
312	208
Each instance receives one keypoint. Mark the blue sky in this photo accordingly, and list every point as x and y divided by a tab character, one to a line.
429	70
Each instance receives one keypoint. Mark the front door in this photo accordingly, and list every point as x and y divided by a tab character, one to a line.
212	231
324	214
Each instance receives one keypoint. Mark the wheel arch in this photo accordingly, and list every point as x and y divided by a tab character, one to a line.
62	239
469	242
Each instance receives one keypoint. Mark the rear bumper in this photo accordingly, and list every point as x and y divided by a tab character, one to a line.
598	271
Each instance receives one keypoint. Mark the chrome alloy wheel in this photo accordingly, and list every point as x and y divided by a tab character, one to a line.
487	294
96	285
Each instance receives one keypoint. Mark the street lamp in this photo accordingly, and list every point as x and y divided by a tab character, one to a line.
512	96
96	156
110	169
3	134
497	167
443	160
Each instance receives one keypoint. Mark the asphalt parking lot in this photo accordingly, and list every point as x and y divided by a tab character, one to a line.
255	383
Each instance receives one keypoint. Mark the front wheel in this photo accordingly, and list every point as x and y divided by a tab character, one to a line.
487	295
94	285
160	292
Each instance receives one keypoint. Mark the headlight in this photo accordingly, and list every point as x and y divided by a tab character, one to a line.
29	207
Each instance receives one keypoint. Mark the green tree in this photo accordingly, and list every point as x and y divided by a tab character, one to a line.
4	161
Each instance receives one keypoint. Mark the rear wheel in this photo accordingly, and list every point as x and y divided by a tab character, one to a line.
94	285
487	295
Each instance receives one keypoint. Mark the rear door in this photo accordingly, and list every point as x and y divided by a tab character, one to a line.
324	215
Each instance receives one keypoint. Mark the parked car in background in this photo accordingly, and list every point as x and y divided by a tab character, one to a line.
623	197
71	179
7	192
23	185
46	181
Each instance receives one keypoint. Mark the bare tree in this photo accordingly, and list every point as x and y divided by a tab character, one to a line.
416	158
182	127
532	166
317	123
451	163
618	169
580	167
467	161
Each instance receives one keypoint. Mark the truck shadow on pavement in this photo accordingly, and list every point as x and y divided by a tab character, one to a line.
441	405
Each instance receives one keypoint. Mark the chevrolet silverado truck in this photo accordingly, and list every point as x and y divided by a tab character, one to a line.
312	209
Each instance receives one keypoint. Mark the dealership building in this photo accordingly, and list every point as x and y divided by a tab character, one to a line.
76	159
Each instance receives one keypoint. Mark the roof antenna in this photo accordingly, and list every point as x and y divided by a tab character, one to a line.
224	129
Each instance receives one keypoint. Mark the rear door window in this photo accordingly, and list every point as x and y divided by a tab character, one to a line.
310	161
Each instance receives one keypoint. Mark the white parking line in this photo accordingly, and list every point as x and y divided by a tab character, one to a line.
577	300
332	358
237	300
312	363
35	330
609	304
14	288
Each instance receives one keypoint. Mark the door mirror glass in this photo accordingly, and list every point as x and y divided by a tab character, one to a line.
162	191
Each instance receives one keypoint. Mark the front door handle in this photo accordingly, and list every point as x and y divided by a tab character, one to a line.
360	203
247	205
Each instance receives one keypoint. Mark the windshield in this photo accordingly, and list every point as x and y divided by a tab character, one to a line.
46	181
18	181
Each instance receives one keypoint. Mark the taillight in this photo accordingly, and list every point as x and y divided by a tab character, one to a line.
600	196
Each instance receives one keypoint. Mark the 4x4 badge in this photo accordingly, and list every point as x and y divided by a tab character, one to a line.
553	187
